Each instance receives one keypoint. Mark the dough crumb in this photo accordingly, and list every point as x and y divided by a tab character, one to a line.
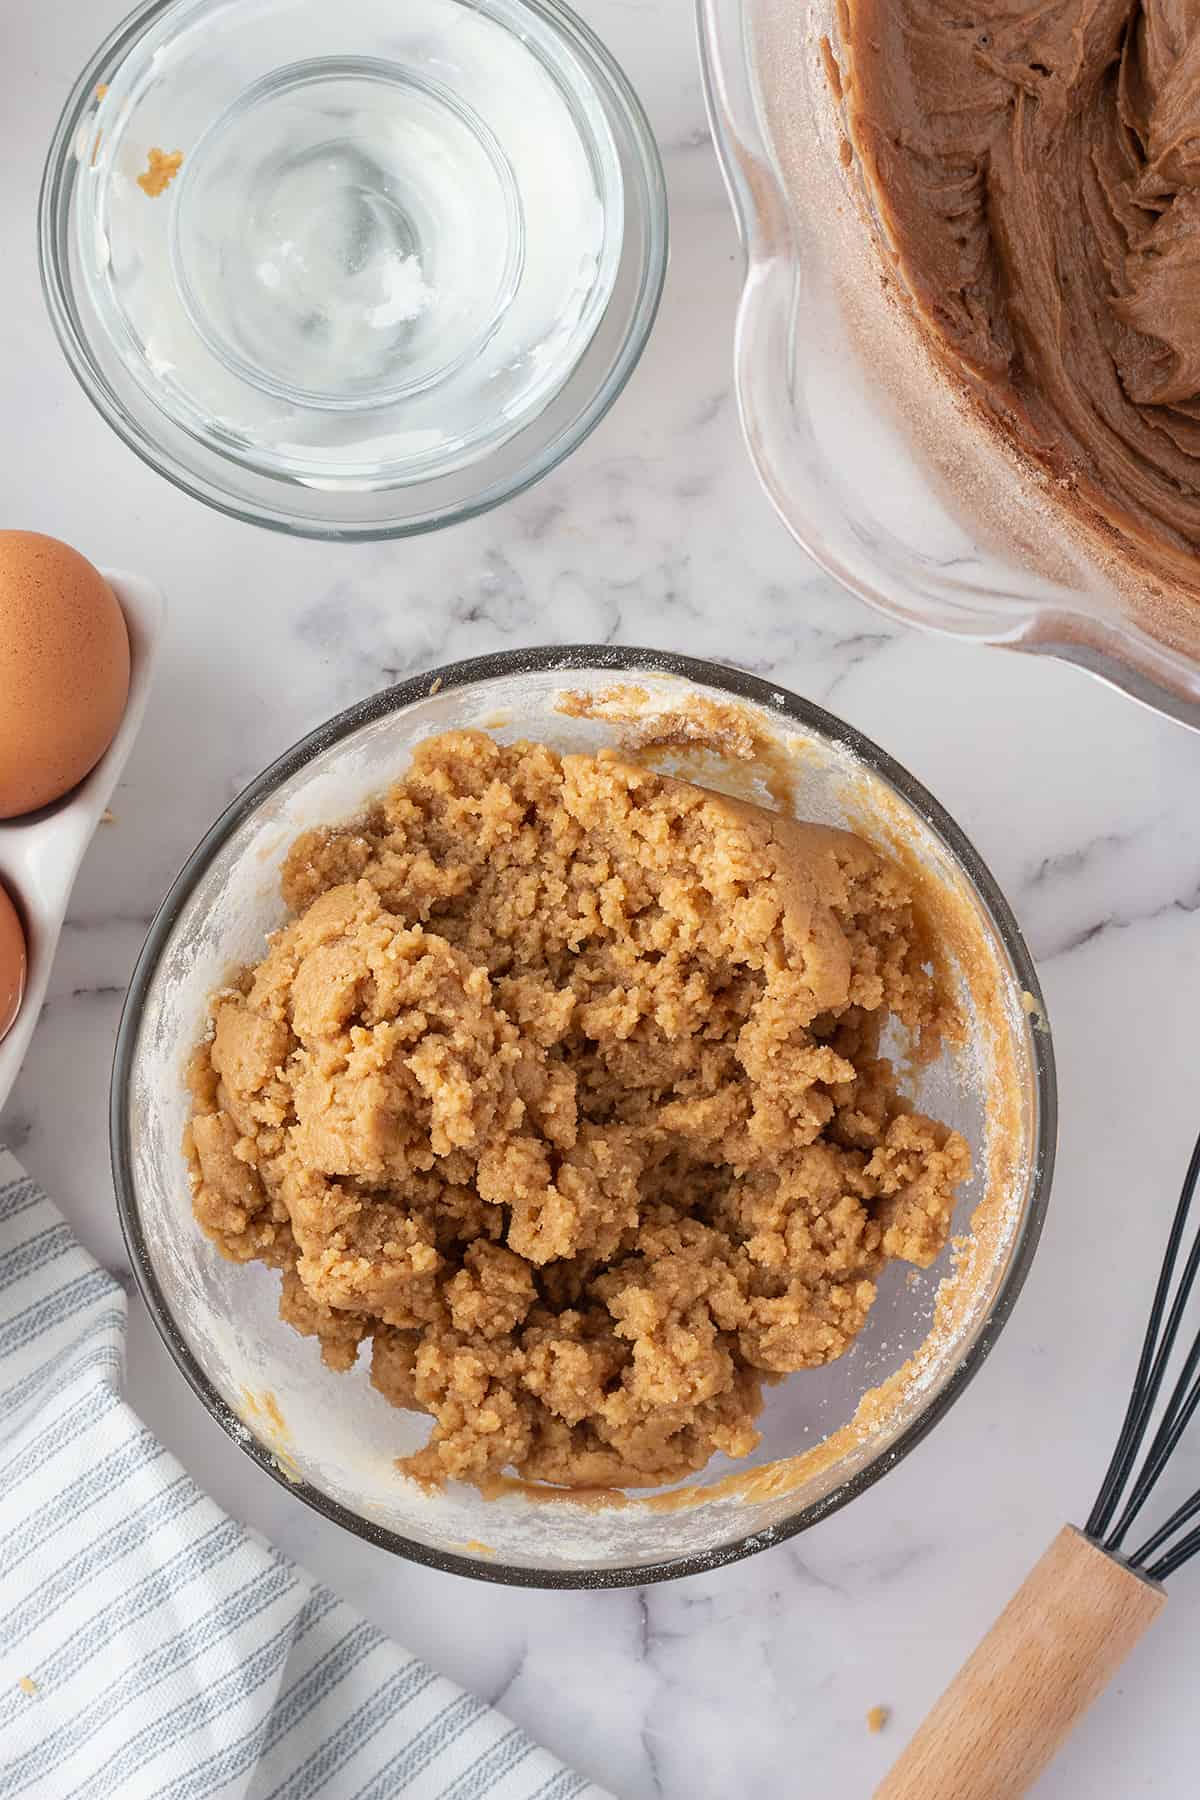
562	1091
878	1717
28	1686
160	171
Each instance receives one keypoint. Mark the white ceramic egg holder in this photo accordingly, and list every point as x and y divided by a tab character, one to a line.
40	854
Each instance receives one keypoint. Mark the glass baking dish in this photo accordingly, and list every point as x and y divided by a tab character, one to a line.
870	453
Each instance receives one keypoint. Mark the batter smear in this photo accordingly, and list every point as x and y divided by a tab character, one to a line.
1037	167
563	1088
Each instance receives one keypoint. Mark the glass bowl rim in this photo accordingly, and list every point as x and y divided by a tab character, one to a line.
62	302
607	660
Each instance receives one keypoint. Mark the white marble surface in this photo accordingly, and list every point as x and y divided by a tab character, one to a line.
755	1680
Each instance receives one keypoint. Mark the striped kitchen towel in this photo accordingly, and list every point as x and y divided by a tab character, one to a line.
150	1647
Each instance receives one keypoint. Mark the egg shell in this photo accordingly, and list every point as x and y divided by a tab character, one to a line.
64	669
12	962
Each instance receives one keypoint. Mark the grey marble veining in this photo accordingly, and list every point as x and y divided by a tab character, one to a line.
754	1680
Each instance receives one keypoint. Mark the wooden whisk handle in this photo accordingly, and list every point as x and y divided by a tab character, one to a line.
1054	1648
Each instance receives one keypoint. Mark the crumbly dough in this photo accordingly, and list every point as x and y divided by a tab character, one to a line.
563	1089
1037	172
160	171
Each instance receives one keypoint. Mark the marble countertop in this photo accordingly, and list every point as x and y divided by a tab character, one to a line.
755	1680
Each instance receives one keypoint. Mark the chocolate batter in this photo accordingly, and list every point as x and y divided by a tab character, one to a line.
1037	167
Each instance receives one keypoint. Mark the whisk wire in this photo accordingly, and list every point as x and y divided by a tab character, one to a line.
1175	1559
1157	1347
1183	1402
1181	1515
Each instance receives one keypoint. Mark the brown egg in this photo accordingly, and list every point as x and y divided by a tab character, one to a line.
64	669
12	963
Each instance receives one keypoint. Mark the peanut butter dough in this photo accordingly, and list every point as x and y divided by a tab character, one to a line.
1038	172
563	1089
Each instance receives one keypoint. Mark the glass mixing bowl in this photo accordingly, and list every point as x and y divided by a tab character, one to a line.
331	1438
866	449
353	270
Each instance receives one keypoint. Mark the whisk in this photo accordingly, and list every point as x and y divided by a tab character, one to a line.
1081	1610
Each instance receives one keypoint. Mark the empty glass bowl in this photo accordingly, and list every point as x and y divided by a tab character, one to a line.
353	270
827	1433
865	448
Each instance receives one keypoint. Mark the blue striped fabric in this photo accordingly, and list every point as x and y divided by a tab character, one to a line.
151	1648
